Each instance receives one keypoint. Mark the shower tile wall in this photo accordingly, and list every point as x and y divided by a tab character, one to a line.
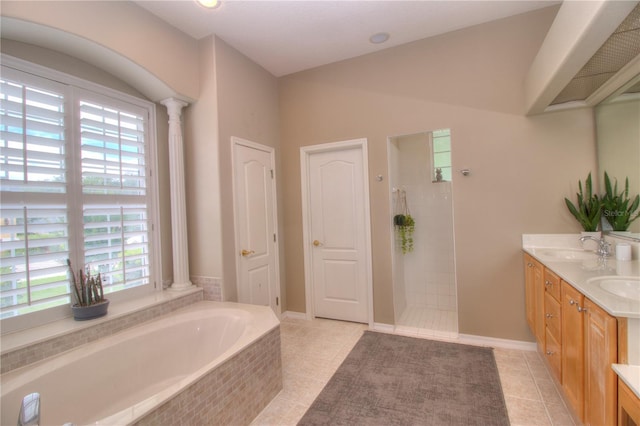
427	273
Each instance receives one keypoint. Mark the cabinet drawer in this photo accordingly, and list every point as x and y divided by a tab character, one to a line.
552	353
552	284
553	316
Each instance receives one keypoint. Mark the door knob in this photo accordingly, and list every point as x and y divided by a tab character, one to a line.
246	252
317	243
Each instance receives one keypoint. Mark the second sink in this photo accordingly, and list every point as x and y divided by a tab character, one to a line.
626	287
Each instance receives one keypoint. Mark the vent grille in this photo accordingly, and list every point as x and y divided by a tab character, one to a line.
621	47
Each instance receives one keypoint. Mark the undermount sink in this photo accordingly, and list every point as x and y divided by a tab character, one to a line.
567	254
626	287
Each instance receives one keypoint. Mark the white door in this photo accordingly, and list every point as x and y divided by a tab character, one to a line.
337	228
255	224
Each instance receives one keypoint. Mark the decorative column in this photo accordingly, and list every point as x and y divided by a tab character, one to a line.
178	202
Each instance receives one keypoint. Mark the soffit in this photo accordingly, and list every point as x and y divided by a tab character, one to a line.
619	50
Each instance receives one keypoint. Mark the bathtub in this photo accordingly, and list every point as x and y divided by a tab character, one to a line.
140	374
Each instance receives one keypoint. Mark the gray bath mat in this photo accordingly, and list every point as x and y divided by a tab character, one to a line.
395	380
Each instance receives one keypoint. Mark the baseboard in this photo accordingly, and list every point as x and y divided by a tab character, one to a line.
468	339
294	315
383	328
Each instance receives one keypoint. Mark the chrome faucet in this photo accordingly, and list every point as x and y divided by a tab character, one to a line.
604	248
30	410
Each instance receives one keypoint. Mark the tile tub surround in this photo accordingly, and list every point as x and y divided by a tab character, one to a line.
212	287
313	350
233	394
28	346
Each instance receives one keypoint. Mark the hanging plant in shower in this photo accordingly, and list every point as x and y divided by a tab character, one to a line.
403	222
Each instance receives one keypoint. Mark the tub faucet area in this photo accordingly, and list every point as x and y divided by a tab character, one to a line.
604	248
30	410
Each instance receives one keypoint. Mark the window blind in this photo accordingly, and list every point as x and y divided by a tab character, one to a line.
74	185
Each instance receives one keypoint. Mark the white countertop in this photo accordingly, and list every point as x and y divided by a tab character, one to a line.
578	271
630	374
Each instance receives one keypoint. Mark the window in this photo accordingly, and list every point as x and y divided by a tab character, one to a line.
75	184
441	140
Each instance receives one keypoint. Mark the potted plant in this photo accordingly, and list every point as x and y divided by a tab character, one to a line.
89	295
618	209
403	222
589	209
405	225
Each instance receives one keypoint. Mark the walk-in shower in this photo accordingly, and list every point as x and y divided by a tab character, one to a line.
424	281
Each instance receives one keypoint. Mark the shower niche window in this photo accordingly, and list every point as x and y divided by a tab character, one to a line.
441	155
424	282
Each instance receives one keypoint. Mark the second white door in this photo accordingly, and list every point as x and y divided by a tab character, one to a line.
337	220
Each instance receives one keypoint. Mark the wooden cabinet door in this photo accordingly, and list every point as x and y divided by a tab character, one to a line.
529	291
573	347
534	297
601	341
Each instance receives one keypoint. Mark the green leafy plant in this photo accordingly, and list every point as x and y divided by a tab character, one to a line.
87	288
618	209
405	225
589	209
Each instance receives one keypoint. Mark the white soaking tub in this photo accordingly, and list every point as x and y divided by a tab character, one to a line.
123	378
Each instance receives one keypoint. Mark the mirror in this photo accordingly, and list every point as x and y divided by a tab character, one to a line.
618	144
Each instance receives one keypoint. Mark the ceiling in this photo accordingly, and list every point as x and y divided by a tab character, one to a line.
290	36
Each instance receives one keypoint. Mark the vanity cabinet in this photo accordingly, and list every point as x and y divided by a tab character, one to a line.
579	341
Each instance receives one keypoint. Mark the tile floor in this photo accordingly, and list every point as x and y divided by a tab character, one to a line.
313	350
425	322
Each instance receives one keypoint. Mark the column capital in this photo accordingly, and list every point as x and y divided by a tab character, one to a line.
174	106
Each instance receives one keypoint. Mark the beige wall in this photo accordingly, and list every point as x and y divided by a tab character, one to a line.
237	98
248	109
470	81
202	179
148	53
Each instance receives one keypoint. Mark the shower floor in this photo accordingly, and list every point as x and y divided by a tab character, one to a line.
428	322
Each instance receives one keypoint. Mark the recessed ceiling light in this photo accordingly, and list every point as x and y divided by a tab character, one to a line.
209	4
379	38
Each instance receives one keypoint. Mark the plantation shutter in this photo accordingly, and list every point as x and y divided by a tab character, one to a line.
34	217
74	184
114	188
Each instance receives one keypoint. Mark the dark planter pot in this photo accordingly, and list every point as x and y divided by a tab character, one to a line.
83	313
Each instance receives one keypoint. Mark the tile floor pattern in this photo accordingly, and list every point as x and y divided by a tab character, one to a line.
313	350
425	322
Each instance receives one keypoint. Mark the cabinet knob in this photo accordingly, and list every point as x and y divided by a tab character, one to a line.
580	309
572	302
549	315
530	265
549	353
547	283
